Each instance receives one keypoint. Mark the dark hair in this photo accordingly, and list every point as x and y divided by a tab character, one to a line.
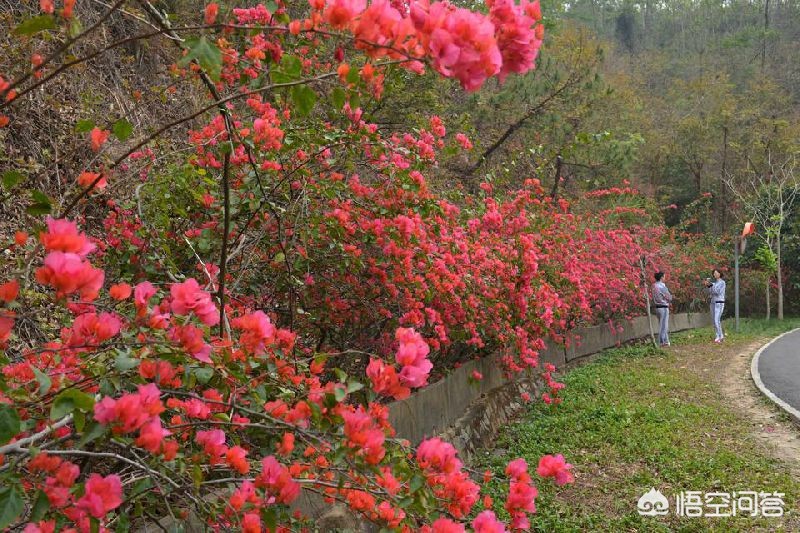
721	275
658	275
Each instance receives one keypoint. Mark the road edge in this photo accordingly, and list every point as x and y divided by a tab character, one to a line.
754	373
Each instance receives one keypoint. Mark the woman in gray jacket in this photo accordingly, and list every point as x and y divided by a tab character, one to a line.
716	291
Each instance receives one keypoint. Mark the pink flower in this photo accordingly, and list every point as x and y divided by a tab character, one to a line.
101	495
518	470
445	525
188	297
213	442
555	467
464	141
438	455
412	357
69	273
257	331
90	329
276	478
521	497
487	522
141	296
192	341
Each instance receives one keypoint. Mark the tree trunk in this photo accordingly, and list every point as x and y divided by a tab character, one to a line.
780	279
764	43
769	307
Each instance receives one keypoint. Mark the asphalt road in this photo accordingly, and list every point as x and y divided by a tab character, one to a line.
779	368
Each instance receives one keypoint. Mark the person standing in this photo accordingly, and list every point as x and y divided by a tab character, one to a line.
716	292
661	300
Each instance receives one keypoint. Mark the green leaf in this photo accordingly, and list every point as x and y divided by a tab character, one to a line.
12	178
41	204
416	483
338	98
94	431
9	423
203	374
41	507
353	76
122	129
291	65
304	98
35	25
123	523
84	126
79	419
207	55
11	506
354	386
69	400
44	381
339	394
75	27
280	77
271	6
123	362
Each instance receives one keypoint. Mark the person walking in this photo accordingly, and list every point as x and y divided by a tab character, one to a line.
716	292
661	300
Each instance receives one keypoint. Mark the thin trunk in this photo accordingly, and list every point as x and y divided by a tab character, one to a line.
554	192
766	29
769	307
780	278
647	301
724	192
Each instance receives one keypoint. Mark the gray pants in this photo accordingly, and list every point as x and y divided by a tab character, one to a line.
663	324
716	314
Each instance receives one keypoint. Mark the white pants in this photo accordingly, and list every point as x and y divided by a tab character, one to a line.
663	325
716	314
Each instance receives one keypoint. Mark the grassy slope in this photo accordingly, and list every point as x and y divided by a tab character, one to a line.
639	417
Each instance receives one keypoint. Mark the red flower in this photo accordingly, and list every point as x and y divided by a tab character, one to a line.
151	435
120	291
101	495
236	459
211	13
98	137
88	178
63	236
9	291
385	380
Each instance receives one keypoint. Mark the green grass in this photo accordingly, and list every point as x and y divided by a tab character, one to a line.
636	418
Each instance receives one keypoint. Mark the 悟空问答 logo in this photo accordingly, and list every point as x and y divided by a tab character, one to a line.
653	503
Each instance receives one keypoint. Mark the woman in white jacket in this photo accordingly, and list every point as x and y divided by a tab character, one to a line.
716	291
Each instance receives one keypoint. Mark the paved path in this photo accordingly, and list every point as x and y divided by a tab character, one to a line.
776	371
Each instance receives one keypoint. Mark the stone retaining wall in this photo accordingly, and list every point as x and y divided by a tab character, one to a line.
434	409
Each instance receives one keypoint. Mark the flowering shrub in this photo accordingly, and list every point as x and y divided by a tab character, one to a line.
196	364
